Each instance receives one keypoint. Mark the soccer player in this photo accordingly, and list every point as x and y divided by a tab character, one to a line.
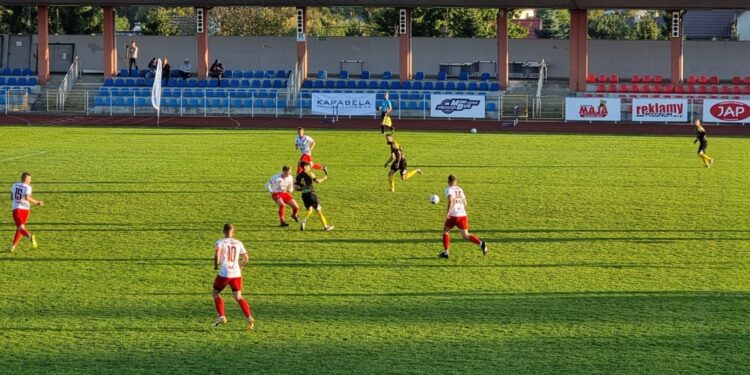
305	144
456	217
20	194
304	181
700	136
386	107
230	257
281	186
398	163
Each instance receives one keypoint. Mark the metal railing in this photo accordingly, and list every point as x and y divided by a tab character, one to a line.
294	83
68	82
540	85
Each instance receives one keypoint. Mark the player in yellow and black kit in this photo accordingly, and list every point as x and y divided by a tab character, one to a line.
399	163
700	136
304	183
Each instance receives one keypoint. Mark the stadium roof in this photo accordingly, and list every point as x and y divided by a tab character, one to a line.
566	4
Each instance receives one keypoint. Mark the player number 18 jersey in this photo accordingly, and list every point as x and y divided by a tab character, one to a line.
458	209
229	251
19	192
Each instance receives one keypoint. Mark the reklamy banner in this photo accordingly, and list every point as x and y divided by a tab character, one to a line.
731	111
457	106
592	109
660	110
343	104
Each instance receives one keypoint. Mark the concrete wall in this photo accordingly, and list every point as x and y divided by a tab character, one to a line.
725	59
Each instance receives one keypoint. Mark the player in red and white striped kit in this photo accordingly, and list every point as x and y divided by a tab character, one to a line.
230	257
305	144
281	187
20	194
457	217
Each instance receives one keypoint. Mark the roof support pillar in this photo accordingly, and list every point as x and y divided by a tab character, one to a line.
302	41
404	44
110	51
42	61
573	52
202	43
583	48
503	57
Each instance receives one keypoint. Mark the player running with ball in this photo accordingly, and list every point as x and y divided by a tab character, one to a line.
230	257
281	187
304	182
20	194
456	217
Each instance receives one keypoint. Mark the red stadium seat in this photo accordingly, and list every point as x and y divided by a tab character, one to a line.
714	80
635	79
736	80
614	78
646	89
713	89
668	89
703	80
648	79
658	79
725	89
679	89
658	88
690	89
737	90
602	78
746	80
600	88
591	78
692	80
746	90
702	89
624	88
612	88
634	88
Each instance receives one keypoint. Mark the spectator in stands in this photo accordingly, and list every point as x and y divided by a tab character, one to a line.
217	70
131	52
152	68
185	69
165	69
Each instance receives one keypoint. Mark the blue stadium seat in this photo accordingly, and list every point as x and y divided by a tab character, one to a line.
119	101
214	103
221	93
278	84
261	94
461	86
129	82
234	83
123	73
237	74
395	85
255	84
491	107
134	73
235	103
464	76
484	86
329	84
260	73
213	83
417	85
450	86
429	86
419	76
33	81
281	103
258	103
249	74
494	86
485	76
22	81
26	72
473	86
281	73
322	74
98	101
109	82
140	82
362	84
247	103
442	76
387	75
2	81
340	84
181	82
365	74
351	84
344	74
11	81
318	84
269	103
193	103
411	105
307	84
240	94
270	73
372	85
119	82
129	101
383	85
440	86
228	73
406	85
203	83
245	83
267	84
192	83
6	71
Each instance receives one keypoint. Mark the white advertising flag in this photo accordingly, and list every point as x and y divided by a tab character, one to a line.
457	106
343	104
156	89
660	110
592	109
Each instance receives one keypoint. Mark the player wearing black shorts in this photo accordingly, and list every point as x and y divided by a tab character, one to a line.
397	160
700	136
304	183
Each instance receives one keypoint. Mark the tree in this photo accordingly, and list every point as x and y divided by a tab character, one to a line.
76	20
555	24
609	25
18	20
159	20
647	29
122	24
254	20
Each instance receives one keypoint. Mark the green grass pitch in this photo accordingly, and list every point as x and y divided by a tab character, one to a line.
607	255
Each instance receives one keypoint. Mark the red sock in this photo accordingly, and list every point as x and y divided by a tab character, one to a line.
17	237
25	232
245	307
317	166
446	241
282	212
295	210
219	302
475	239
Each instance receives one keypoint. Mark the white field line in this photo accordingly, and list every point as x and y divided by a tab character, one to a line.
23	156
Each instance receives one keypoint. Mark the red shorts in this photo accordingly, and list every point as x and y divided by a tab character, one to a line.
285	197
20	217
304	157
462	222
221	282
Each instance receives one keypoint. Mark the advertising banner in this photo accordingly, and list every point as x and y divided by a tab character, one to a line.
343	104
457	106
660	110
724	110
592	109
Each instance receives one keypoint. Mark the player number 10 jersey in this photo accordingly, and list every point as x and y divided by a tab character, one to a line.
229	251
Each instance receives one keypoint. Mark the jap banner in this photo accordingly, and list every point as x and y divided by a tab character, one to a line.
457	106
660	110
343	104
592	109
731	111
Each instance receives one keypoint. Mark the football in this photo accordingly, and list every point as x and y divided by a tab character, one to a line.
434	199
473	130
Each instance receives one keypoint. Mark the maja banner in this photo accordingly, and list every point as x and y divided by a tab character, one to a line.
592	109
731	111
343	104
660	110
457	106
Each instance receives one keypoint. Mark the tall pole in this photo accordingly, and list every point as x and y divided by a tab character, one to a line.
503	57
42	62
